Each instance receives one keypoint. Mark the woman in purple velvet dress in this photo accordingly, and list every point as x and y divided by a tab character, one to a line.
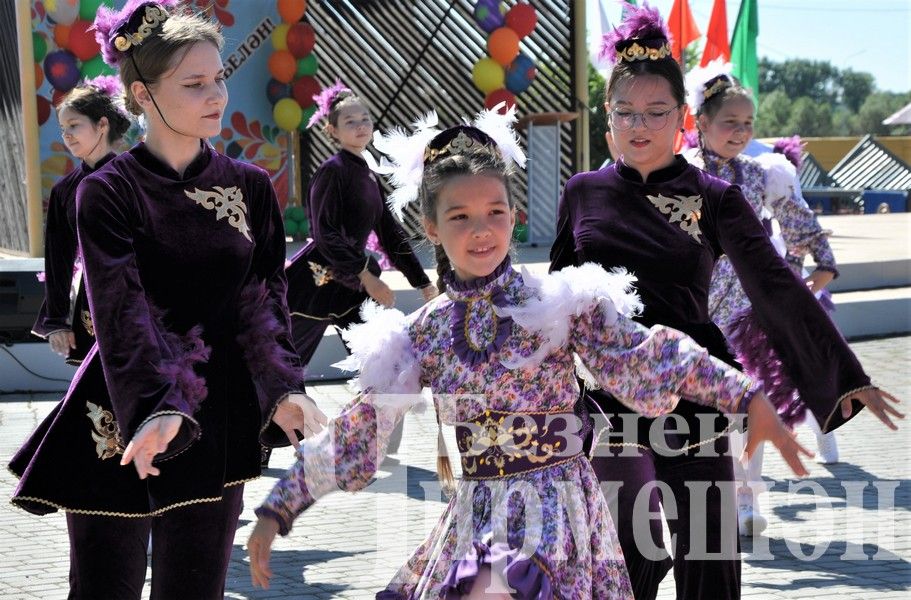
193	368
91	121
527	520
333	274
668	222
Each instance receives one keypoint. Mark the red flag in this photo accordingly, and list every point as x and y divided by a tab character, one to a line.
683	27
716	38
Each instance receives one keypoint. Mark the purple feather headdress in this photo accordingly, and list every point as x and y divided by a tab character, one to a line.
118	31
791	148
643	35
110	86
324	101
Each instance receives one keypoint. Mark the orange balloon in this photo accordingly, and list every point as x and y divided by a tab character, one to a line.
291	11
62	36
282	66
39	76
503	45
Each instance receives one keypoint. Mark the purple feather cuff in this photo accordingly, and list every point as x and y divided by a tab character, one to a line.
187	388
260	333
751	346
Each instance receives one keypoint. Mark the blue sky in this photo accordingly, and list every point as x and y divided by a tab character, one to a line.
872	36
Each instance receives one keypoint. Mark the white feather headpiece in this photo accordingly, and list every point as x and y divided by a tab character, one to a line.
405	154
696	81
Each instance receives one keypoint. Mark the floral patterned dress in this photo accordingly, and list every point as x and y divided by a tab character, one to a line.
768	185
507	344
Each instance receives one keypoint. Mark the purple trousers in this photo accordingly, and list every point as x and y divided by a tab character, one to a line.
698	497
191	548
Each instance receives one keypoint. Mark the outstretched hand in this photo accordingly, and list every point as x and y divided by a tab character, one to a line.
259	547
152	439
765	424
299	413
875	400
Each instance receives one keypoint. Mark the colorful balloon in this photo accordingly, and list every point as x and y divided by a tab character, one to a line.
39	76
280	36
503	45
82	40
291	228
301	39
291	11
61	70
520	74
276	90
39	46
308	65
287	114
522	19
62	12
282	66
487	15
488	75
304	89
94	67
89	8
497	96
62	36
297	213
44	109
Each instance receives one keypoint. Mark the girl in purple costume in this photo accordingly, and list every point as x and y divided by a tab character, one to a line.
668	222
91	121
193	369
497	350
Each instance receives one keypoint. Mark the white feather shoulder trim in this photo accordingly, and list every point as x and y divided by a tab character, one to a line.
780	175
559	297
382	352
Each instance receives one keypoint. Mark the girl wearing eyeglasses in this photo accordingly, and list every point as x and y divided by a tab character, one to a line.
669	222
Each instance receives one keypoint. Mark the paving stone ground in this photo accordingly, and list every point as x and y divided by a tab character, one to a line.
845	532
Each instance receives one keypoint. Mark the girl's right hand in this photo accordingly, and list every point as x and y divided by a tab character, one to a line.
260	548
378	290
62	342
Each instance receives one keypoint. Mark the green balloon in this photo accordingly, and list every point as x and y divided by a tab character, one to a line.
304	229
89	8
308	112
94	67
39	46
298	214
307	65
291	227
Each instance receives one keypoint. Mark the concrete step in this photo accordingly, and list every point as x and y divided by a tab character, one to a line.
868	313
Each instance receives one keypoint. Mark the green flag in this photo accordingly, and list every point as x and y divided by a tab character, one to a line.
743	47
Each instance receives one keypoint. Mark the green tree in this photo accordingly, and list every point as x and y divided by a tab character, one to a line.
597	127
810	118
876	107
855	87
773	115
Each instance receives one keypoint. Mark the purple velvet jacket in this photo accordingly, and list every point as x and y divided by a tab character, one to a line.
345	203
60	251
186	283
613	218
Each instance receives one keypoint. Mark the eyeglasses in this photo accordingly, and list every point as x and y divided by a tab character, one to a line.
621	119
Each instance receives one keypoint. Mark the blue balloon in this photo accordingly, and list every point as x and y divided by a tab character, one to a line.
488	16
276	90
61	70
520	73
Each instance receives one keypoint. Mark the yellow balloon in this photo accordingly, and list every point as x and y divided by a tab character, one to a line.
287	114
488	75
280	36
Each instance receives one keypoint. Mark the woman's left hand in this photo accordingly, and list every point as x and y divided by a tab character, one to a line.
875	400
260	547
298	412
764	424
429	292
